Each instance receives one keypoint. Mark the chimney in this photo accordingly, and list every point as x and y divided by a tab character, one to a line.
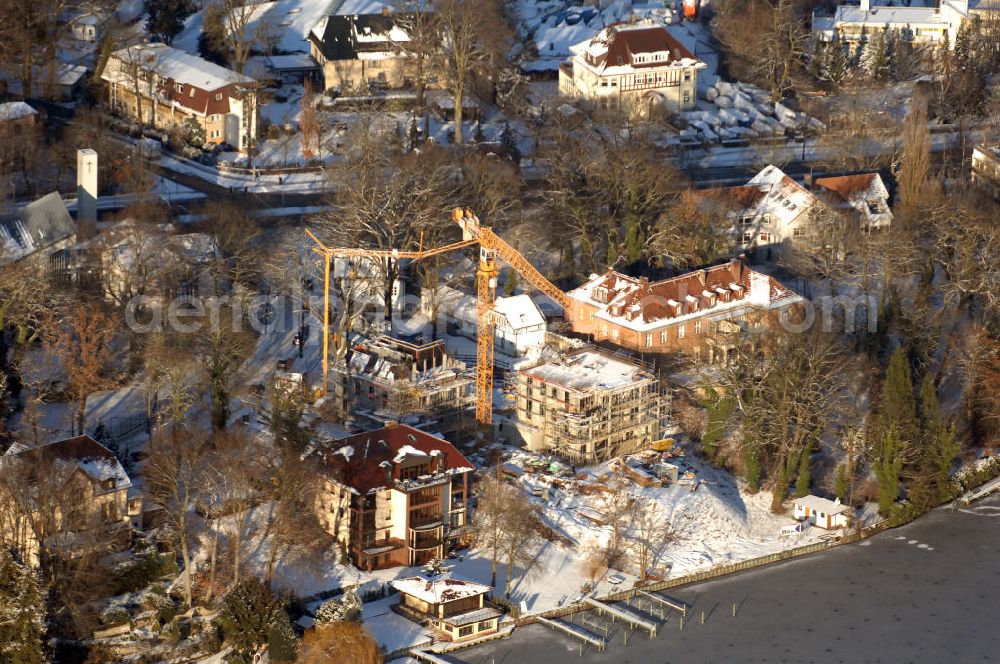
734	269
86	185
807	180
703	277
441	461
388	424
387	469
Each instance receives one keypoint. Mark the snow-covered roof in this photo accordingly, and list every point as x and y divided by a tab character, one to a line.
623	48
589	370
439	591
37	225
15	110
175	65
821	504
785	198
643	306
366	462
80	452
895	16
519	311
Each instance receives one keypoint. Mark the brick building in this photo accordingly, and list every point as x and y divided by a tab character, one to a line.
391	497
697	313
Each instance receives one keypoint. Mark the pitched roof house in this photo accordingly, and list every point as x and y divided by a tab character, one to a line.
104	497
393	496
773	208
454	607
42	231
168	86
626	65
362	43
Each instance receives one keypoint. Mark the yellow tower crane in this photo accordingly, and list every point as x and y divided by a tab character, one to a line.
491	247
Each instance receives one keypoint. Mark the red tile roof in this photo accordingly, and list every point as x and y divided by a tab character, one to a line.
359	461
846	186
625	42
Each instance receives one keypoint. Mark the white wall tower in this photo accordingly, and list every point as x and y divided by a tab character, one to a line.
86	185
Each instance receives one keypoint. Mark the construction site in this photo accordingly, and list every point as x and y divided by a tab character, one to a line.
588	406
572	400
387	379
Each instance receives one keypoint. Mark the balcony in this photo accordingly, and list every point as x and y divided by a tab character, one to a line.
425	522
425	541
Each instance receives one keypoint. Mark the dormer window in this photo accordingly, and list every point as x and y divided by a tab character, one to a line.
179	87
191	92
218	96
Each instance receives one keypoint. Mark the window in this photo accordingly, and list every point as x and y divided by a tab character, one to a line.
179	87
765	237
614	334
797	232
687	76
747	222
747	238
680	331
466	631
486	624
663	337
687	97
218	96
697	327
649	341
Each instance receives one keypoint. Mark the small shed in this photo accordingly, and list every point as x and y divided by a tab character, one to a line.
822	513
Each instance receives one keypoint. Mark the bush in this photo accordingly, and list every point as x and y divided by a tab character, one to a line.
114	617
282	646
144	568
903	512
974	477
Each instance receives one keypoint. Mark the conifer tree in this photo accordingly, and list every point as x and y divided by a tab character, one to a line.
803	478
841	486
939	445
899	409
22	613
836	62
887	465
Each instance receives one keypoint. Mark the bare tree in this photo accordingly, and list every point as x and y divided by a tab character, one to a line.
174	473
913	169
82	344
648	535
520	536
468	28
388	202
766	41
615	507
488	523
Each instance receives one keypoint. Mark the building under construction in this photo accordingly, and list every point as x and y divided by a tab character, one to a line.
589	406
387	379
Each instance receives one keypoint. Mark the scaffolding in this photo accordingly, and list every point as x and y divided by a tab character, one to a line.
587	423
388	379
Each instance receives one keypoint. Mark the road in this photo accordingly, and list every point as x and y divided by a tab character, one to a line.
926	592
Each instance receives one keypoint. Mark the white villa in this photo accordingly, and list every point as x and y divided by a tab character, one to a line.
629	66
925	25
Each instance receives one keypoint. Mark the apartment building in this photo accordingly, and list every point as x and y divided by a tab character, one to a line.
697	314
630	65
386	379
936	24
166	88
588	406
396	496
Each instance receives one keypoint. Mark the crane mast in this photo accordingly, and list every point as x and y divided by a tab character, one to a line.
491	247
